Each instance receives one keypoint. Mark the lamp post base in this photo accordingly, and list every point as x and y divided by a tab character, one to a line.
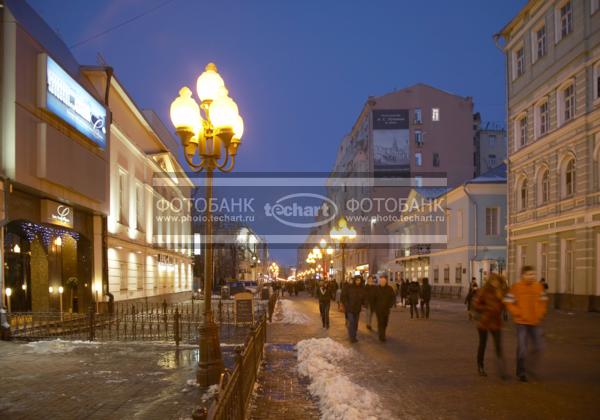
210	363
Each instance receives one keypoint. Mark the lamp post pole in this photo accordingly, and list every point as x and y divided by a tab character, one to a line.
203	141
343	246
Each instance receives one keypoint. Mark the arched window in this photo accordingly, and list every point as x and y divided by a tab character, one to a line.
543	187
522	194
568	176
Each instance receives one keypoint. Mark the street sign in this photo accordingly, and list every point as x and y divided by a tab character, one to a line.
244	308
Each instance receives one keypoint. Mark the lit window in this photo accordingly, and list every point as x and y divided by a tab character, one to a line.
435	114
418	159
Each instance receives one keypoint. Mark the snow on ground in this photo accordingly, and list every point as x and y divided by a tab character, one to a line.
57	346
286	313
322	361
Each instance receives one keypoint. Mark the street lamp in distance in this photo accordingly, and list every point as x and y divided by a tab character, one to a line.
342	233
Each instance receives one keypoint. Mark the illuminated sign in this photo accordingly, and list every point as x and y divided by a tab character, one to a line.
57	213
68	100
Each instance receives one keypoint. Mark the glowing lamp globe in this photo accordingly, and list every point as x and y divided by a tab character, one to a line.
185	112
209	83
223	112
238	128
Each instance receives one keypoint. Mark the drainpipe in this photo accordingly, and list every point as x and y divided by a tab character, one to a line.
465	187
507	160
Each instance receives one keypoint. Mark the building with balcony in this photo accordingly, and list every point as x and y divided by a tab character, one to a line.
552	51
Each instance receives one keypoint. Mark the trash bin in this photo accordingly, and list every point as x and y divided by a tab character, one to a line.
225	292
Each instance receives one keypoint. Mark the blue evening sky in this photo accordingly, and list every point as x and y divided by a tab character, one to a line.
300	71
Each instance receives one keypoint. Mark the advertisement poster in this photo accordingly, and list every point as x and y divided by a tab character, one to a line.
391	151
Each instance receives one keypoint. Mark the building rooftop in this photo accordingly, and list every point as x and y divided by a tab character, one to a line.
495	175
431	192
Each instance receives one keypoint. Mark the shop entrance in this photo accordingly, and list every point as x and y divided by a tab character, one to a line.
46	266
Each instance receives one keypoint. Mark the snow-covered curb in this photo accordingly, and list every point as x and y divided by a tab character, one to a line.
321	360
57	346
286	313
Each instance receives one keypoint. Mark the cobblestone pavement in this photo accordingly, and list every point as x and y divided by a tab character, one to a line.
427	368
98	381
281	393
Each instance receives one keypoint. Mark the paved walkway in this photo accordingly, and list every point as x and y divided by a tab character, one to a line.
427	368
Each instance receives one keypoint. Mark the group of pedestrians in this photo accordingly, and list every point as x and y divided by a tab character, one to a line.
527	302
377	298
413	294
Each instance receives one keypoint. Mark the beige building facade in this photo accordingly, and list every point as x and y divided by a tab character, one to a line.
553	66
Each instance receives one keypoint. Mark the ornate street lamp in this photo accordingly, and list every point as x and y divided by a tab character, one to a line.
341	234
210	143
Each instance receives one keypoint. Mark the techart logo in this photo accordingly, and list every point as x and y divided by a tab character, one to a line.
302	210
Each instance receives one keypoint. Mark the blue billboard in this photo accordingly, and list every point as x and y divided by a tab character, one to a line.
68	100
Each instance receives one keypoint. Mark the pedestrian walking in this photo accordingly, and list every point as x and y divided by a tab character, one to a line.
403	292
488	305
414	290
370	295
385	297
324	297
353	298
527	302
425	297
469	298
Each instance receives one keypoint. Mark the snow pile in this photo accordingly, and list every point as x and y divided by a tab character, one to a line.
286	313
57	346
210	393
321	360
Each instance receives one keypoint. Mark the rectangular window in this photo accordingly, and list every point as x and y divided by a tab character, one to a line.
447	274
418	159
418	138
491	161
540	42
458	274
436	275
522	127
459	224
436	160
492	221
520	61
123	209
492	141
565	20
543	118
569	102
139	206
418	119
435	114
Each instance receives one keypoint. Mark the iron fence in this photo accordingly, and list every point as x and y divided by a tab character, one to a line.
132	322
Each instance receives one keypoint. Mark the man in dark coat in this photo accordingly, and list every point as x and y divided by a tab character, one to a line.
353	298
403	292
324	296
370	295
384	300
414	290
425	297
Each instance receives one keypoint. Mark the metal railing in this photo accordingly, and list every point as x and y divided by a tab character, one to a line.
132	322
235	387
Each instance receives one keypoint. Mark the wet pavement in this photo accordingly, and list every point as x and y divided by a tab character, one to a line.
82	380
427	368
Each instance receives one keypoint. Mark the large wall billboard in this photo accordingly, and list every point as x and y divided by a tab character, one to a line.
68	100
391	151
